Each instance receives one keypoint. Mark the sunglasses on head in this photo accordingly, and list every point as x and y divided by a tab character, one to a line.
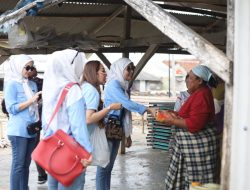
74	58
130	68
29	68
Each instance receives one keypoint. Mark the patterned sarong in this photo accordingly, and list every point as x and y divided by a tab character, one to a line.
194	158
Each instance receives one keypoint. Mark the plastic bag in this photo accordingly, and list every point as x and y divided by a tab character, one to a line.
100	151
19	35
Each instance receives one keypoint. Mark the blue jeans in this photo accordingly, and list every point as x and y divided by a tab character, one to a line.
78	183
21	157
103	175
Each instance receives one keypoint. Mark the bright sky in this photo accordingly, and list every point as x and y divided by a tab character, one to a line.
154	65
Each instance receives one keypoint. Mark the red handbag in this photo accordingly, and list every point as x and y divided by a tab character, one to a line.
60	154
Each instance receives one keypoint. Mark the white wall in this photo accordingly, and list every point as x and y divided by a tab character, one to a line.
240	157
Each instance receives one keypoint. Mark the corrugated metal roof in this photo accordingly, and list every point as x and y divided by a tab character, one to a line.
72	22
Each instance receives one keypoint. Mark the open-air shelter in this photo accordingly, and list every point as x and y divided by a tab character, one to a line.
215	31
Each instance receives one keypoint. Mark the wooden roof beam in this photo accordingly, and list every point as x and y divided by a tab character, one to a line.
103	58
107	20
207	53
149	53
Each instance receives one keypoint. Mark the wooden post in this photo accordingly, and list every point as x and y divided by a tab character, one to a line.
239	155
126	35
214	58
228	113
127	27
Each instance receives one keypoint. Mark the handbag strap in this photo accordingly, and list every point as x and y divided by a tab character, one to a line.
122	111
60	101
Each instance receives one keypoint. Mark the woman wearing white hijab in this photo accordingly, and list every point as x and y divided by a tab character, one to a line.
121	72
64	67
21	102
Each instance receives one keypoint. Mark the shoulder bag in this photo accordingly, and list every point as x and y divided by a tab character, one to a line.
60	155
113	126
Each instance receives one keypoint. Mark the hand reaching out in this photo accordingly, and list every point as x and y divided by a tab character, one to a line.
115	106
152	111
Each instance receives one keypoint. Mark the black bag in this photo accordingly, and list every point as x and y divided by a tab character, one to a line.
4	110
113	127
34	128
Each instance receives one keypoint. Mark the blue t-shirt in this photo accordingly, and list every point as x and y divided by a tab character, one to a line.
18	119
92	99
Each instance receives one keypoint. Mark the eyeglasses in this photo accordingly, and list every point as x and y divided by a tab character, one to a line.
130	68
74	58
29	68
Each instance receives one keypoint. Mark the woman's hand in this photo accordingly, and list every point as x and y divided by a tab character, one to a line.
128	142
115	106
152	111
170	119
87	162
36	96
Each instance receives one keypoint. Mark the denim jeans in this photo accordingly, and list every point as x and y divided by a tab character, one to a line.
78	183
21	157
103	175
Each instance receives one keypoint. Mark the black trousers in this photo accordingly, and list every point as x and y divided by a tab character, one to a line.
41	171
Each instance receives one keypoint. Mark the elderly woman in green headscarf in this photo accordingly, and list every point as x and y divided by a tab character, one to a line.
195	150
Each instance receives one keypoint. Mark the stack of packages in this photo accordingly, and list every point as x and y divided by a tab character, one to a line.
159	134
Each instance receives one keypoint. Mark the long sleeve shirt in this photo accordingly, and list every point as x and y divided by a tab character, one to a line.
198	110
18	119
114	92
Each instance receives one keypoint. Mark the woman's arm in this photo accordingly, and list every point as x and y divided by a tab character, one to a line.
78	125
173	119
93	117
30	101
113	92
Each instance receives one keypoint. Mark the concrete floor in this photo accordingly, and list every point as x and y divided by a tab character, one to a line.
140	168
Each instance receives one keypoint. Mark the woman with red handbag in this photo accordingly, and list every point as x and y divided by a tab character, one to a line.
66	67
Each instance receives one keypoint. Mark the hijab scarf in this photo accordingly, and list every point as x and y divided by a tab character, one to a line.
63	67
13	71
116	73
202	72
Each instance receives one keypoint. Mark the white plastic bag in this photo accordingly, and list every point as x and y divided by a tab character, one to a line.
19	35
101	151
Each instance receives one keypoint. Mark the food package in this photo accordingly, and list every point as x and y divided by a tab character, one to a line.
161	115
